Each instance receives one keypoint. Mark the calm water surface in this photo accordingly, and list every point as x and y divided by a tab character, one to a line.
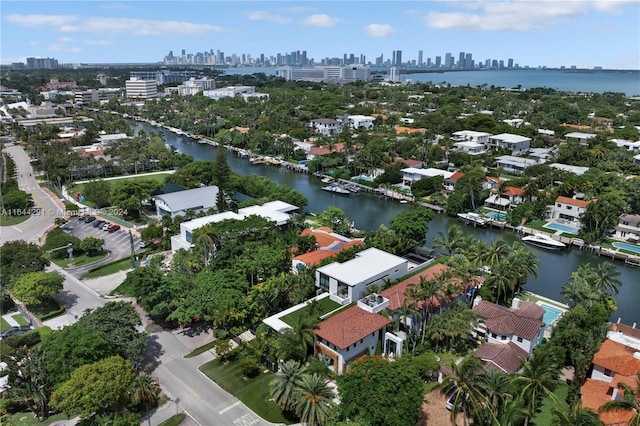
368	212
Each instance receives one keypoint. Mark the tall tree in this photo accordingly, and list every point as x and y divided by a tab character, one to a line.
284	385
34	287
314	400
464	386
449	242
30	381
20	257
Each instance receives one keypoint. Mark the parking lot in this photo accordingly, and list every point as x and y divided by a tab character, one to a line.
118	243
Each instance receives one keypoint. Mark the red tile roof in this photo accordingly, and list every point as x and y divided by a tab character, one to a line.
596	393
409	162
510	321
617	358
513	191
314	257
456	176
321	150
506	357
350	326
572	201
626	329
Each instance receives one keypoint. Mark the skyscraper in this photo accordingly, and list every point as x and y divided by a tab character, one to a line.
438	61
397	58
468	61
510	63
461	63
448	61
420	63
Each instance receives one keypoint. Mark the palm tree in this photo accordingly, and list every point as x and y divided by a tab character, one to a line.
538	378
575	415
285	384
426	291
314	400
449	242
605	278
630	401
296	341
495	388
495	252
464	386
502	280
144	392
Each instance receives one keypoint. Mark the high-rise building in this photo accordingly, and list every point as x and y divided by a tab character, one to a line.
438	61
429	64
510	63
420	63
461	63
448	60
397	58
141	89
380	60
468	61
42	63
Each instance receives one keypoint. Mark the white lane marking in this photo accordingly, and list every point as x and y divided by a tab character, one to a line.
224	410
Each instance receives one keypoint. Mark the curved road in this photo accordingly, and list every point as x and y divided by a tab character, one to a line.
205	402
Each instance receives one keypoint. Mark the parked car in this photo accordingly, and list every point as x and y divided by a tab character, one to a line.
90	219
113	227
145	244
106	226
98	223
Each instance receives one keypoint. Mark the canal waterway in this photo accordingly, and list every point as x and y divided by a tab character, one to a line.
368	212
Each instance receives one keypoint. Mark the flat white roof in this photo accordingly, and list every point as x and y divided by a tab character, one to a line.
471	133
516	161
203	197
567	168
367	263
194	224
546	132
469	144
430	172
511	138
580	135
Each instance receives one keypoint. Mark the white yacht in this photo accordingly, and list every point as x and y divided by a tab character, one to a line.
336	188
473	218
544	241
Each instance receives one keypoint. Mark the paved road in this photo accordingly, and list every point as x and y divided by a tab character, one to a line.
34	227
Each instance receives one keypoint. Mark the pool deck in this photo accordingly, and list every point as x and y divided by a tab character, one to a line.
541	300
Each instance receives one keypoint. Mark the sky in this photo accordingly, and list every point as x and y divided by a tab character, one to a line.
550	33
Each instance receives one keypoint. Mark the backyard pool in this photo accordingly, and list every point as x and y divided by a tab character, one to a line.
551	315
497	216
627	247
563	228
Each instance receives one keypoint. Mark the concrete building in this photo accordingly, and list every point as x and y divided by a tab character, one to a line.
179	203
569	209
326	126
513	164
582	138
471	136
471	148
347	282
361	121
410	174
194	86
141	89
516	144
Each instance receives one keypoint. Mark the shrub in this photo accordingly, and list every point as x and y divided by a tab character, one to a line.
249	367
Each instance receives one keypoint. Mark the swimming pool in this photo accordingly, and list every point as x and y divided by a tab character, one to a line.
497	216
563	228
625	246
551	315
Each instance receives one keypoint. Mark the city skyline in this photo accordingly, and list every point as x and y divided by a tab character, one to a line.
585	34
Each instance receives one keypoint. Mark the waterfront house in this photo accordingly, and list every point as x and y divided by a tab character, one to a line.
505	198
510	334
326	126
568	209
628	227
411	174
348	281
617	361
450	182
328	244
511	164
516	144
492	182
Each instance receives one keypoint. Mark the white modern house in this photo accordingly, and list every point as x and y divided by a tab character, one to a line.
582	138
274	211
578	170
471	148
347	282
627	144
515	143
470	136
569	209
361	121
326	126
412	174
179	203
628	227
512	164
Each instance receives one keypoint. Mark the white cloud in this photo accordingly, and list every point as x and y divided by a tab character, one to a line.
261	15
129	26
320	21
61	47
520	15
41	20
379	30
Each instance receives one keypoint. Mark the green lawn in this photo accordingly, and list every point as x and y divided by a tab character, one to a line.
12	220
544	417
80	260
112	268
3	324
174	420
325	306
202	349
17	317
26	418
254	393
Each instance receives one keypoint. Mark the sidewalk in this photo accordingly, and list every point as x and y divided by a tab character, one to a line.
9	319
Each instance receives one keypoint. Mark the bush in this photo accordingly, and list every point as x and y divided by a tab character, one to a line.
58	238
249	367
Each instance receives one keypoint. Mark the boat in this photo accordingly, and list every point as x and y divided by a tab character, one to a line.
327	179
352	187
336	188
473	218
544	241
